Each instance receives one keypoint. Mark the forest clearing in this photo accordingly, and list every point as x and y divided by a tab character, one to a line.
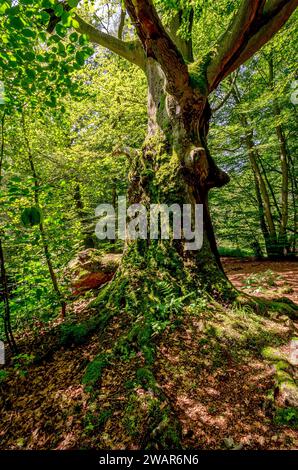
148	226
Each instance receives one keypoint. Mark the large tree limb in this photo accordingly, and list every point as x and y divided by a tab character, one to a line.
158	44
132	50
256	22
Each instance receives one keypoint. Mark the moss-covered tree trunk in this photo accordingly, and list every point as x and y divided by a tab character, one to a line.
177	168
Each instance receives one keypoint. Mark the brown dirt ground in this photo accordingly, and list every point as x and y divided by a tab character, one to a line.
217	397
286	273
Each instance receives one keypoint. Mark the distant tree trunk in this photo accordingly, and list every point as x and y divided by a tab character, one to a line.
3	276
282	236
262	220
87	232
264	205
294	192
5	296
41	226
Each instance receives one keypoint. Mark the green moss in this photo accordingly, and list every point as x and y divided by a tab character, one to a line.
147	419
78	333
94	370
198	74
94	421
282	377
4	375
146	378
272	354
282	365
286	417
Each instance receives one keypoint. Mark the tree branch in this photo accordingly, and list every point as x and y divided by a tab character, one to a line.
255	23
121	24
226	97
158	44
132	50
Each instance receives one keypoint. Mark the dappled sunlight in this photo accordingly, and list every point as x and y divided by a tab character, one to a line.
252	277
220	390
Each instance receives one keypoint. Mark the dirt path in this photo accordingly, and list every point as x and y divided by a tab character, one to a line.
264	278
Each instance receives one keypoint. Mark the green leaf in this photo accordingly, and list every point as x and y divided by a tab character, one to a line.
73	3
31	216
29	56
31	74
73	37
27	2
61	30
83	40
48	3
58	9
29	33
3	7
16	22
80	58
45	17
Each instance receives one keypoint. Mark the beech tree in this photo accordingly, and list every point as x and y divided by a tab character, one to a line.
170	329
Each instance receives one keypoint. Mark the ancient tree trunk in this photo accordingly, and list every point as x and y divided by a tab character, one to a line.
176	168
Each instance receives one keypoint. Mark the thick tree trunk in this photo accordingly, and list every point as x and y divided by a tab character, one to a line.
176	168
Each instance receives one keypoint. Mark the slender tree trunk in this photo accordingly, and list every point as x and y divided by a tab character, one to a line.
285	185
5	297
268	183
41	226
3	279
87	231
282	236
265	212
294	191
262	220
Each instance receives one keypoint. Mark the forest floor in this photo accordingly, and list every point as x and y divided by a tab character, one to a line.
218	384
264	278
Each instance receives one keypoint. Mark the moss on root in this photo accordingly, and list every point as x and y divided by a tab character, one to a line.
281	306
152	290
149	419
